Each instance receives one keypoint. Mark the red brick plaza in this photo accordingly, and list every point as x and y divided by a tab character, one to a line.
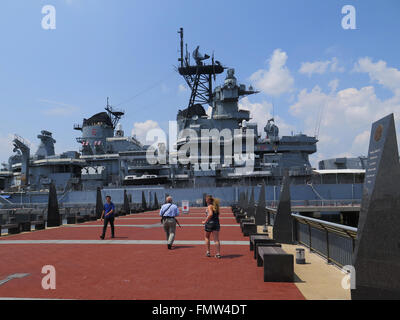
137	264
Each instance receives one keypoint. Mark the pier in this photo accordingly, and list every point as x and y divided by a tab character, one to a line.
132	266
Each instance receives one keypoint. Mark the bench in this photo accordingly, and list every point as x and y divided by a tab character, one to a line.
71	219
79	219
39	224
240	216
12	228
251	220
25	226
278	265
122	212
37	220
249	228
271	243
259	238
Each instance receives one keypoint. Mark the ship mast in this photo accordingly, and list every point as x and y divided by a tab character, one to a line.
114	114
198	77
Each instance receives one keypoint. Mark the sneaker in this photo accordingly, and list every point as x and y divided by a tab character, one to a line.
170	247
101	237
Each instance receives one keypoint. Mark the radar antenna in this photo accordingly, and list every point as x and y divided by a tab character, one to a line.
199	76
114	114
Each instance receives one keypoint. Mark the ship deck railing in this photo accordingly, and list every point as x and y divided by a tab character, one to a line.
332	241
319	205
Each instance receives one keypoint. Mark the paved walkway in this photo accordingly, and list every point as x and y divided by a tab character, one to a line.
137	264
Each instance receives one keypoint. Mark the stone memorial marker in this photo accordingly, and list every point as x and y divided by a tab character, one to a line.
127	206
377	252
241	200
252	206
144	203
53	214
283	225
156	203
246	201
260	214
99	203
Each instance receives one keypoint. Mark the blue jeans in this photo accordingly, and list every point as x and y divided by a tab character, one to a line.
106	221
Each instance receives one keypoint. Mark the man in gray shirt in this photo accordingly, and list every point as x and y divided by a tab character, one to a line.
168	213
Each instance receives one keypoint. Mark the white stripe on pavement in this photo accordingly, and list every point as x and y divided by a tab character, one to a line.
127	242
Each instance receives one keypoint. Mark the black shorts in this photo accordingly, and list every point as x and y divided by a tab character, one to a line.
211	226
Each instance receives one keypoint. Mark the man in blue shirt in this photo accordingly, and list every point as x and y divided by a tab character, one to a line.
108	214
168	213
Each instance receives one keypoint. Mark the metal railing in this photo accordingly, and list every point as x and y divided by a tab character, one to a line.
335	242
318	203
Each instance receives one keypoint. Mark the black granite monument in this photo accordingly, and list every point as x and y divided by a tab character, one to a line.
252	205
377	253
246	201
241	200
53	214
156	204
260	214
144	203
127	206
283	225
99	204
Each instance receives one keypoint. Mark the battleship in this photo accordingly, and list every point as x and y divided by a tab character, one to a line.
110	160
279	202
288	227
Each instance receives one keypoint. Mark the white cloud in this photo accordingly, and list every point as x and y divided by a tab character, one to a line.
261	112
314	67
360	142
379	72
182	88
347	116
140	130
333	85
335	66
320	67
277	79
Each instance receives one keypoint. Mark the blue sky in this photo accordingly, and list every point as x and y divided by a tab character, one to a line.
295	52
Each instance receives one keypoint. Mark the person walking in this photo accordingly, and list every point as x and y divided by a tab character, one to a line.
212	225
168	213
108	214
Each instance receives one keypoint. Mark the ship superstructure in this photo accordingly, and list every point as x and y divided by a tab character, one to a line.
109	158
